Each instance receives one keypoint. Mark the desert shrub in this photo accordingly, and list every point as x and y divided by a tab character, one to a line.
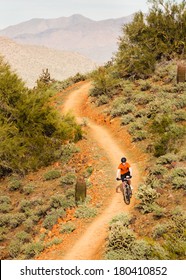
127	119
120	237
63	201
158	211
3	233
55	241
179	115
147	196
68	179
26	206
67	227
84	211
52	174
160	229
28	225
88	171
153	181
178	183
139	135
67	151
123	218
167	158
144	85
14	248
28	189
180	102
120	108
143	98
23	237
158	170
33	249
52	218
12	220
14	185
5	204
101	100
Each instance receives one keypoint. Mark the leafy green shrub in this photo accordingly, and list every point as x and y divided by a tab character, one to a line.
5	204
84	211
123	218
14	185
160	229
158	212
127	119
23	237
28	225
12	220
31	130
52	174
55	241
166	159
33	249
139	135
67	151
68	179
52	218
120	108
158	170
28	189
147	196
14	248
25	206
101	100
67	227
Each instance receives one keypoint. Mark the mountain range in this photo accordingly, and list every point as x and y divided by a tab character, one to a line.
29	61
96	40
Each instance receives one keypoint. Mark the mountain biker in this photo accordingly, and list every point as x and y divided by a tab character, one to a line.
124	170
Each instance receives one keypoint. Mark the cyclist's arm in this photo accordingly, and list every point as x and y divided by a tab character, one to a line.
130	170
118	174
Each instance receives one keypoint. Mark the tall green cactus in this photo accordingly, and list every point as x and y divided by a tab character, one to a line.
181	73
80	190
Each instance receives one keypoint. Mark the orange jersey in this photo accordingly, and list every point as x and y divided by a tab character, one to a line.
124	168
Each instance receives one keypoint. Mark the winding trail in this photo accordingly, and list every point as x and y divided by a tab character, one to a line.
91	243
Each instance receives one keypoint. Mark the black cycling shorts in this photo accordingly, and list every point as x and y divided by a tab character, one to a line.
123	176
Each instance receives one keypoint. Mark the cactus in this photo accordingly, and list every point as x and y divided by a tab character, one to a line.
80	190
181	73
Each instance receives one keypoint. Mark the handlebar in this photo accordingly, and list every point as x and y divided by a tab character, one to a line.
125	179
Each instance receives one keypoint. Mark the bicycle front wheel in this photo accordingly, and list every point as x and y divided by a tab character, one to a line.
126	195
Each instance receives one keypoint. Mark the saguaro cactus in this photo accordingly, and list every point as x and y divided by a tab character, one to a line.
181	73
80	190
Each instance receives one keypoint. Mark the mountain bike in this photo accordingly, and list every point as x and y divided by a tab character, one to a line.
126	190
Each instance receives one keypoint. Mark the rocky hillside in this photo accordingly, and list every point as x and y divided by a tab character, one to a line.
94	39
29	61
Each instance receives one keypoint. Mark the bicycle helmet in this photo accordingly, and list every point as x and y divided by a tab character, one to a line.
123	159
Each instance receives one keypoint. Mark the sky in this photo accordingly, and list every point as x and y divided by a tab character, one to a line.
16	11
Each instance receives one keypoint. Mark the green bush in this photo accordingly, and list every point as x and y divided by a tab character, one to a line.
84	211
147	196
52	218
67	227
68	179
14	185
33	249
31	130
52	174
5	204
28	189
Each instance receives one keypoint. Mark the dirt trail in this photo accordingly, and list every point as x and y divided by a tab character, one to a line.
93	239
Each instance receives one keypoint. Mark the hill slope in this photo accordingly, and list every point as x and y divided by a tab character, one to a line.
29	61
94	39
